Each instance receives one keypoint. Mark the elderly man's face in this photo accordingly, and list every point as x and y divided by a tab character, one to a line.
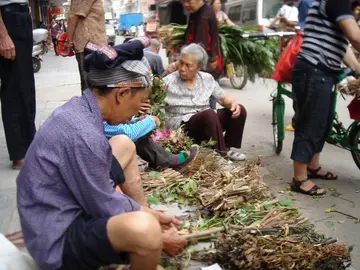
126	104
192	6
188	67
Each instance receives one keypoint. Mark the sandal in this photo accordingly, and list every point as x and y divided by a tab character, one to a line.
313	174
295	186
236	156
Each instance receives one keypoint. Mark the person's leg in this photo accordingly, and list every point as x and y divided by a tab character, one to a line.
18	89
124	151
313	93
159	158
54	40
204	126
234	128
140	235
82	72
134	238
154	153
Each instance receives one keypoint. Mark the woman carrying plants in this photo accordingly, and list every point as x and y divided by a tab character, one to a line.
221	16
187	104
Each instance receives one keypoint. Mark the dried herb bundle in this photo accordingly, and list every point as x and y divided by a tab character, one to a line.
177	141
243	250
351	87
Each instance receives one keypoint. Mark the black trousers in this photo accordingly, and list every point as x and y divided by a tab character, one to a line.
55	42
18	86
82	72
154	153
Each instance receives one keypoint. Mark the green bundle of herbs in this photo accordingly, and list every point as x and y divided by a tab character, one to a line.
157	97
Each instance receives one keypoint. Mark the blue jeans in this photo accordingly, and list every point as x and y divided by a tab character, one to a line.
313	93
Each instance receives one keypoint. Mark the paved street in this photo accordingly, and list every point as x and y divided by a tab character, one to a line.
58	81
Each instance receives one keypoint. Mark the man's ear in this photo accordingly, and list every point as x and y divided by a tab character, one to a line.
121	93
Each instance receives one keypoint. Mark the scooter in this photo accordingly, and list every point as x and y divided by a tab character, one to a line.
40	37
36	59
39	47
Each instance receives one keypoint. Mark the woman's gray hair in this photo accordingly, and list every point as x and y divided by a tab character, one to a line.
198	52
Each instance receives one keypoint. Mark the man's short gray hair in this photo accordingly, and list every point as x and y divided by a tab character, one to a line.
198	52
155	43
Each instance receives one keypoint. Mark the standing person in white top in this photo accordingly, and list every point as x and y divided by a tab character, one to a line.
17	78
287	16
133	30
140	30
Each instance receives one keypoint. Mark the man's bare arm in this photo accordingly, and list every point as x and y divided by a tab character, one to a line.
7	47
351	61
72	24
351	31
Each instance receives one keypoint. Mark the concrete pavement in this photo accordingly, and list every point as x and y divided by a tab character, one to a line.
58	81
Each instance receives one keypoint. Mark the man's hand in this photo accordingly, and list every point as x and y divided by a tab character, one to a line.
235	109
68	45
7	47
145	106
156	120
165	220
172	242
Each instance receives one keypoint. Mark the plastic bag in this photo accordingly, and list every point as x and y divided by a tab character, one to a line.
354	109
60	47
286	63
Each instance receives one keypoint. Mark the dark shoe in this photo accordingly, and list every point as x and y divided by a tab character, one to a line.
190	158
17	164
313	174
296	186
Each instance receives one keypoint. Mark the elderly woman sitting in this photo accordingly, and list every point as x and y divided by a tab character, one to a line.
187	104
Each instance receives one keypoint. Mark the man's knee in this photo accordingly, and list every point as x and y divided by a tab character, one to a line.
122	145
141	229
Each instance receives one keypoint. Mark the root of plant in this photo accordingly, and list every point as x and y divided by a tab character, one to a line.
242	250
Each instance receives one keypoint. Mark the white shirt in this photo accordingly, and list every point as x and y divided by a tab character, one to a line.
8	2
290	13
133	29
181	102
141	31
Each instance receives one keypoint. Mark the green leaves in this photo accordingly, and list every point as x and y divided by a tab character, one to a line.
259	56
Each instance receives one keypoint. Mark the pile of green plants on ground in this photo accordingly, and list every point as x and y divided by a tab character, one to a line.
249	227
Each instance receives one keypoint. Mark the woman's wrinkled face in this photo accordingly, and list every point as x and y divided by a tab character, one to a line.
188	67
126	104
217	5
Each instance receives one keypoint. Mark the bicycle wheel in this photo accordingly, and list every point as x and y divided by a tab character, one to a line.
354	139
277	127
239	76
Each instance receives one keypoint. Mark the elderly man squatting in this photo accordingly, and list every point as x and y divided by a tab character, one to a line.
187	104
71	215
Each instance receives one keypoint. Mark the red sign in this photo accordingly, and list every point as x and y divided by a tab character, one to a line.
56	11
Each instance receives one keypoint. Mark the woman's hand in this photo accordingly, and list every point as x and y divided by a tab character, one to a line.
235	109
145	106
156	120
